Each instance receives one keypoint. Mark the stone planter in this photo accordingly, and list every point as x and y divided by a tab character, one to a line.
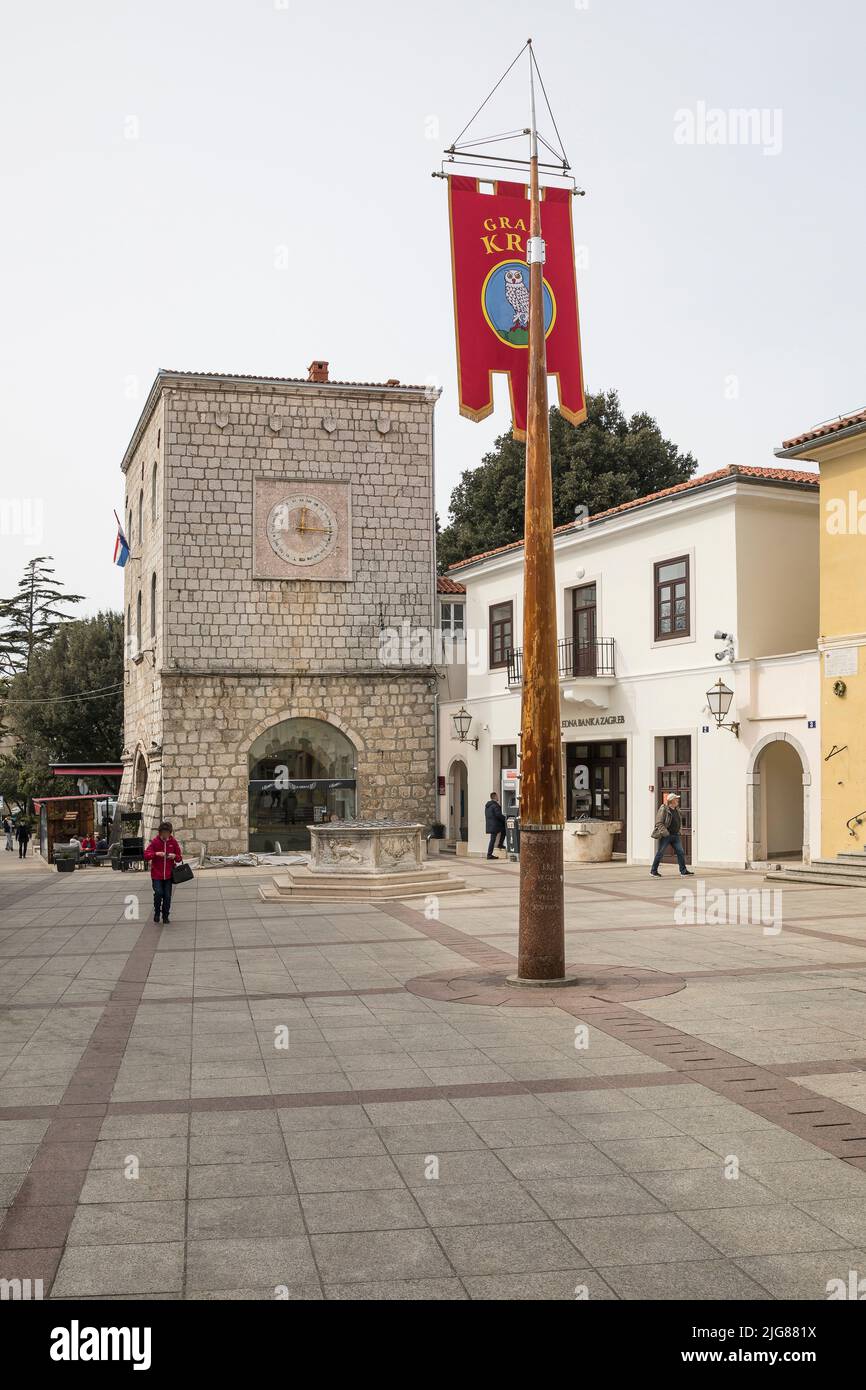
589	841
365	847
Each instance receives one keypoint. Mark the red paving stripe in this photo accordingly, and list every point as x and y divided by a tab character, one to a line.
471	948
215	998
749	970
230	947
299	1100
817	1067
37	1223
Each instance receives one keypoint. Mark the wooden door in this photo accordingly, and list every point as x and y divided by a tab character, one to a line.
675	775
584	629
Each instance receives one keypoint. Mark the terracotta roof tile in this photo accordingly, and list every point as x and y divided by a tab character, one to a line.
729	474
844	422
444	585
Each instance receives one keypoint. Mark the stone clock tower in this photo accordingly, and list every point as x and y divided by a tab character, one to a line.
277	528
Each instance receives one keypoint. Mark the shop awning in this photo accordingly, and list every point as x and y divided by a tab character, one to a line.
87	769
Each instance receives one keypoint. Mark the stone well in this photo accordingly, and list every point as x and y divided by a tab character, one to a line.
365	847
363	861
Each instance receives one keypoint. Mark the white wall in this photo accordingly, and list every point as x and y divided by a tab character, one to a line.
661	687
781	698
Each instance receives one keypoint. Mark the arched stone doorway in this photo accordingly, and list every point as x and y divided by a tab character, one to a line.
301	772
139	780
778	801
458	801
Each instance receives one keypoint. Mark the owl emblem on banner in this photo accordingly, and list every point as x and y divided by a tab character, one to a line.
517	294
505	303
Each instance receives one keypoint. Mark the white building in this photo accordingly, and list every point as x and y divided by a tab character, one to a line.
641	591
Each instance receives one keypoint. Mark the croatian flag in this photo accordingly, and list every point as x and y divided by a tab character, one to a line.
121	547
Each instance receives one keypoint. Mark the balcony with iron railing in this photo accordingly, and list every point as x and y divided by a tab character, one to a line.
575	661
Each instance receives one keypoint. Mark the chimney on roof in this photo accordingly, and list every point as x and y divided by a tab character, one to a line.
317	371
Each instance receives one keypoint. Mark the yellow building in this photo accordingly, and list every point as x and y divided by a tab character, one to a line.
839	449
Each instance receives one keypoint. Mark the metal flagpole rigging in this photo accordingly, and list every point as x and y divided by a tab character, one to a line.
464	152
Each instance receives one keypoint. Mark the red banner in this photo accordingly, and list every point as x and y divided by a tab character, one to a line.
489	233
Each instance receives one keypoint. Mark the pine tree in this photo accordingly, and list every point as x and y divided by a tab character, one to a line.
607	460
32	616
51	715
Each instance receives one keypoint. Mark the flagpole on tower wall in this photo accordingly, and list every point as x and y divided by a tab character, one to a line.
541	946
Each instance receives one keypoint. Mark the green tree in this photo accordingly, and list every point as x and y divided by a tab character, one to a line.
31	617
50	716
607	460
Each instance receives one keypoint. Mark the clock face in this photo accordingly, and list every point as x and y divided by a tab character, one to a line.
302	530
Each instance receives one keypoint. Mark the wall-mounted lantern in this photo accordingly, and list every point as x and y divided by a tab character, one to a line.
462	721
719	700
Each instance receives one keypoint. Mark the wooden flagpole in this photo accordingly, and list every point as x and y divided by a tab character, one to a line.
541	946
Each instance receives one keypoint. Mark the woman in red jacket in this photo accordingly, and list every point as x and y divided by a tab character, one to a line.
162	853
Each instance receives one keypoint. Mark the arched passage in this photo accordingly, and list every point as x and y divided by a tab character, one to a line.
458	797
778	801
301	772
139	780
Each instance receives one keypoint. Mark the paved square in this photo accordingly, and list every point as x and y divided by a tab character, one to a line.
260	1101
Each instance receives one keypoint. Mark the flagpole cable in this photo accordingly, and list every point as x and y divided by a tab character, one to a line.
549	109
487	98
533	132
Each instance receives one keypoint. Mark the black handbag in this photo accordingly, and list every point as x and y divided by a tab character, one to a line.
181	873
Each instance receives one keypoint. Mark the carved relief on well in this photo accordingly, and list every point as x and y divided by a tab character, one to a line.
396	849
334	850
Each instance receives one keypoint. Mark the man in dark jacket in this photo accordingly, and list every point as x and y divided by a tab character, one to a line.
22	835
494	824
667	832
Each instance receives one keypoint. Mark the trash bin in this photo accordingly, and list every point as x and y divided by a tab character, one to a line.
512	836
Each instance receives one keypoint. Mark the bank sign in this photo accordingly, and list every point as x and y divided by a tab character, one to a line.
594	721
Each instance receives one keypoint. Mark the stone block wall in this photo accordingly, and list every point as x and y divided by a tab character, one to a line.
211	721
230	650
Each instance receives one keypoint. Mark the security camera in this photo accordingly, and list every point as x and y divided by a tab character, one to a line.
720	656
724	636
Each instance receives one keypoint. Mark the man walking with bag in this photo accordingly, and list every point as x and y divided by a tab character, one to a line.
494	824
667	831
162	854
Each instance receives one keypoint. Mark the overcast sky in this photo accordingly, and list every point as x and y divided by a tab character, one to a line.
244	185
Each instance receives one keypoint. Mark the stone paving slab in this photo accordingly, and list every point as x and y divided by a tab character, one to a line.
158	1141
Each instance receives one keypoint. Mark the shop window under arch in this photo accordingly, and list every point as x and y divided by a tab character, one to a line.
301	772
